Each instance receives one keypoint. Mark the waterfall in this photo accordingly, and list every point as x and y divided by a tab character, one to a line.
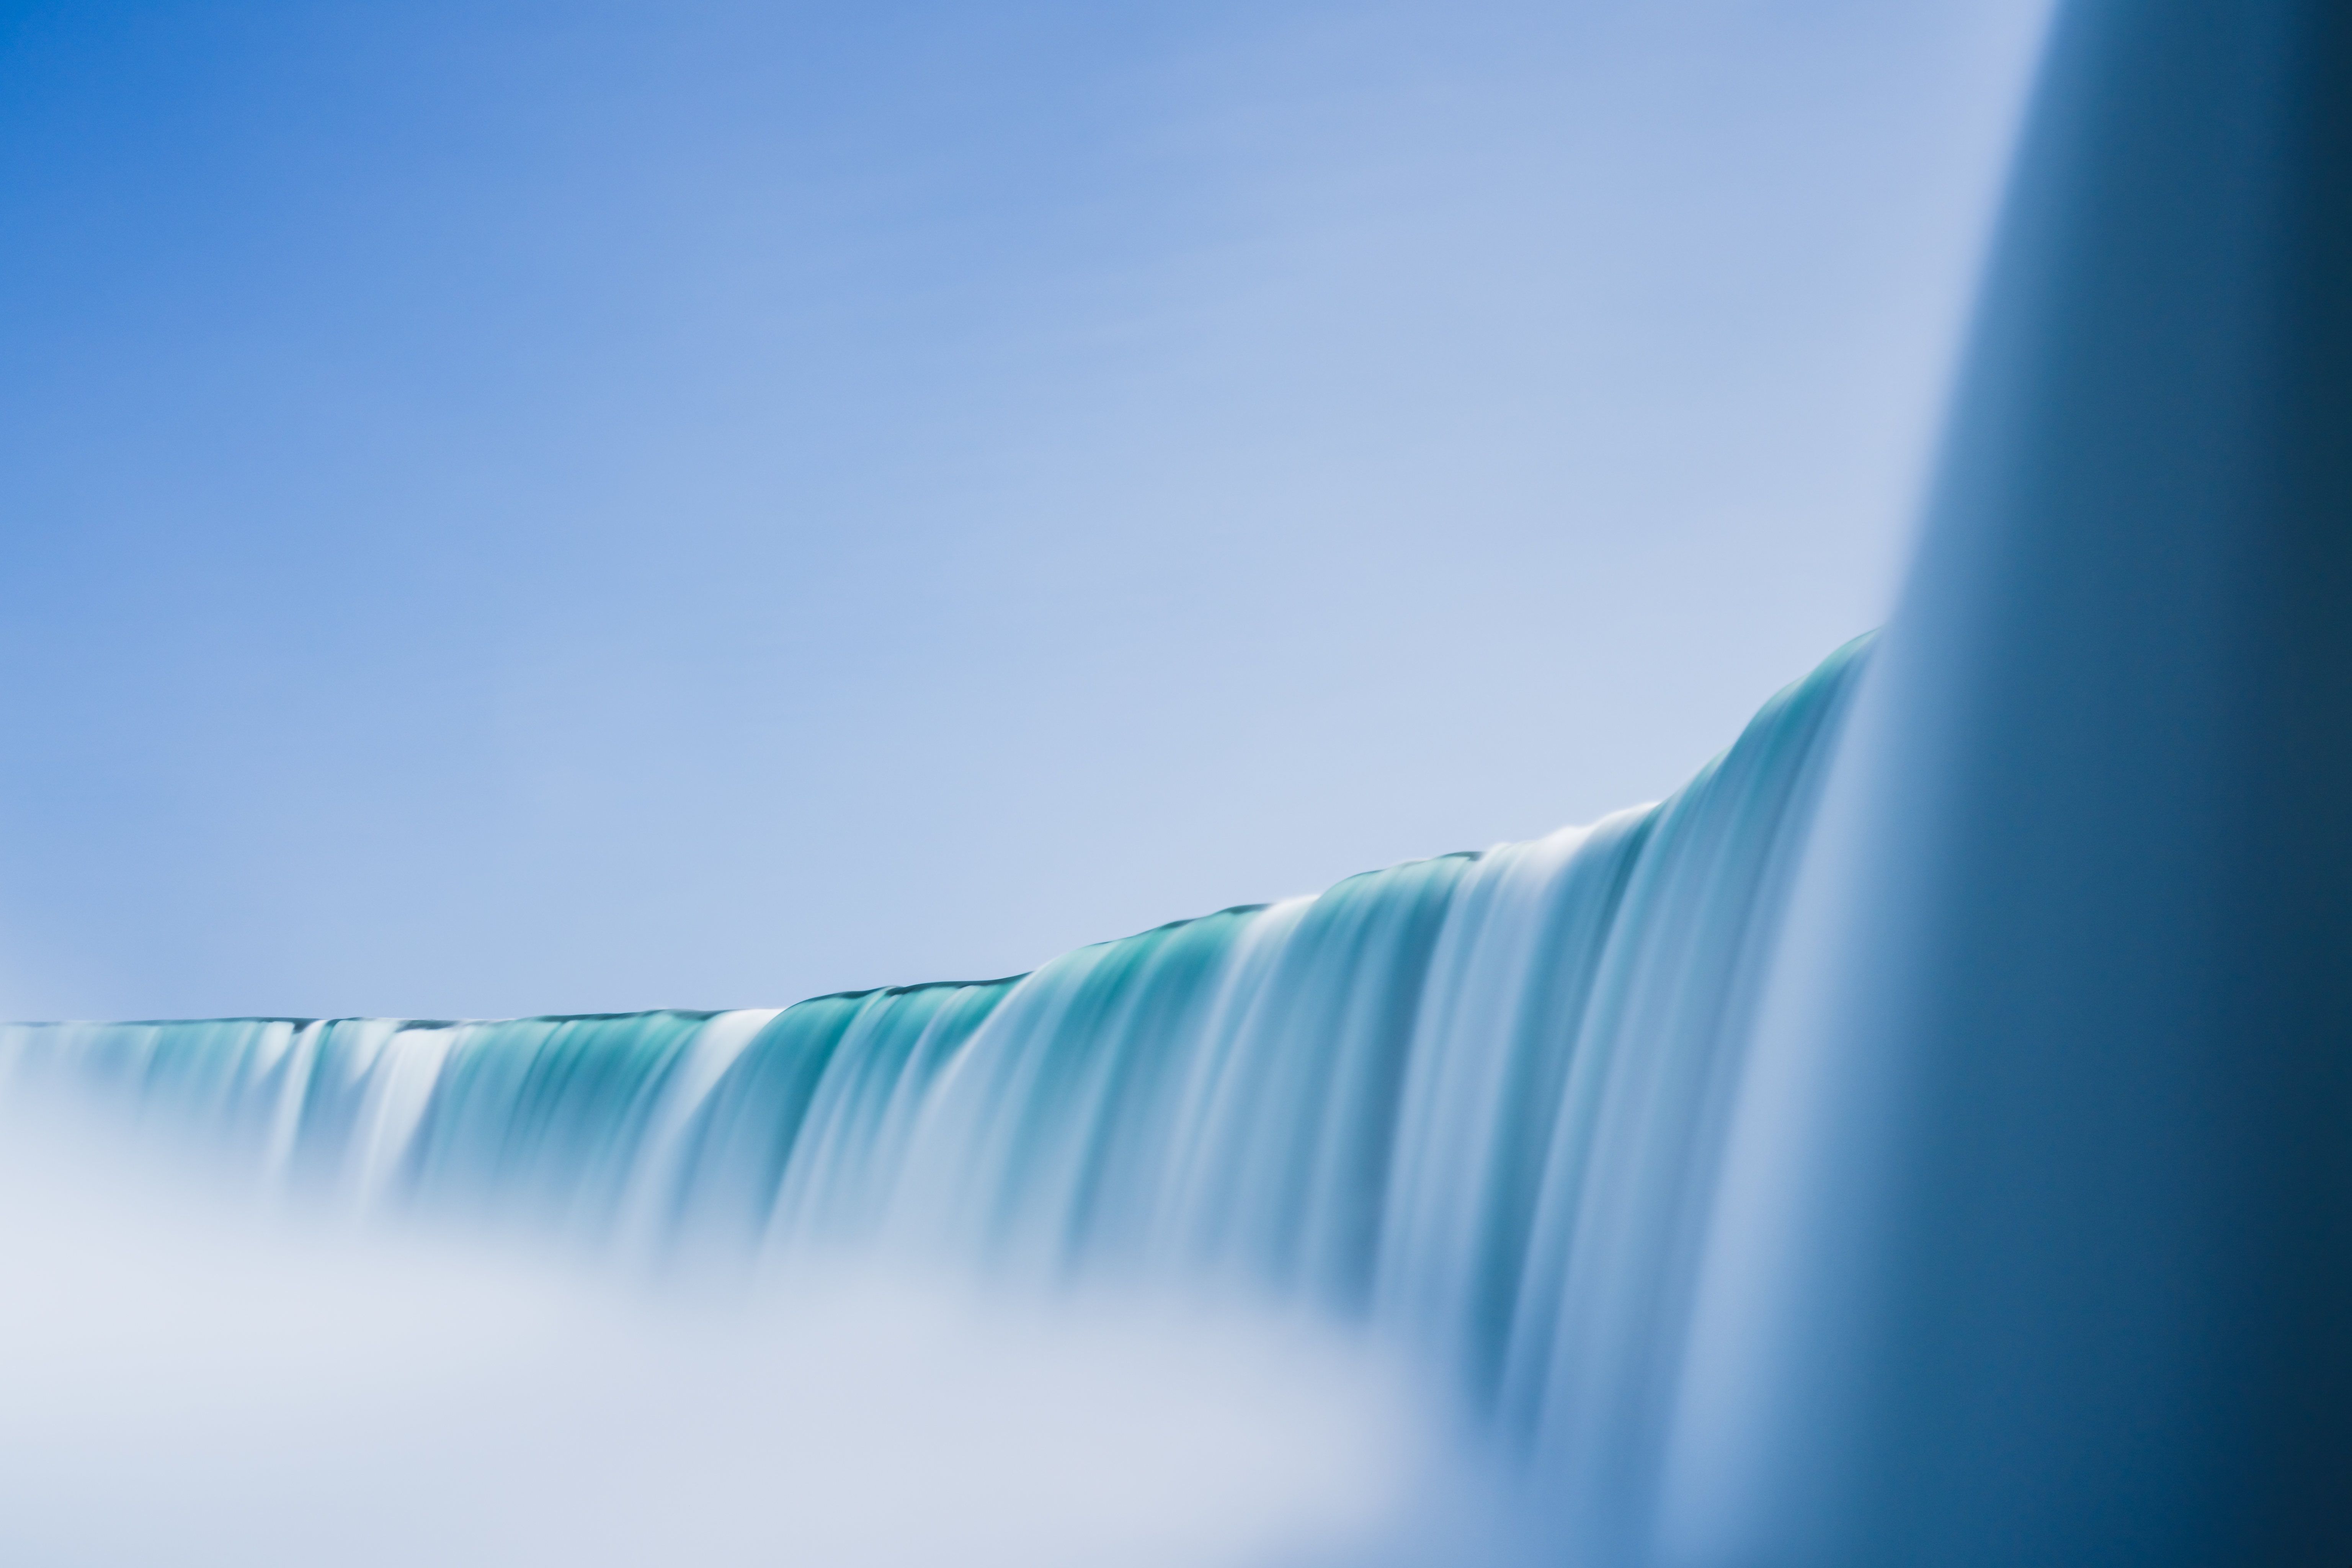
1921	1139
1474	1101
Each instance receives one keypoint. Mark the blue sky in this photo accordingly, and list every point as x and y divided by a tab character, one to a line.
511	508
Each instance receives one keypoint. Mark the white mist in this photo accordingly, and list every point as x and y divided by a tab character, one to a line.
187	1380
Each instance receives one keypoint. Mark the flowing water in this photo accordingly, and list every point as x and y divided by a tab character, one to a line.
1960	1178
1475	1101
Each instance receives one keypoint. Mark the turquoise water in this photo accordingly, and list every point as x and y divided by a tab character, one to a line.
1473	1100
1959	1180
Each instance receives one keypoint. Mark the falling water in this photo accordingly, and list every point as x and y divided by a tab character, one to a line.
1474	1101
1921	1139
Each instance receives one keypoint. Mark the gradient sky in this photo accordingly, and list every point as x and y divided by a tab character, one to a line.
510	507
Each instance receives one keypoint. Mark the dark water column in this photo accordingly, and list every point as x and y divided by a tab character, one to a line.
2038	1245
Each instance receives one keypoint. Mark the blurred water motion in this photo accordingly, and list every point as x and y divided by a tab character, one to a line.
1466	1109
190	1381
1922	1140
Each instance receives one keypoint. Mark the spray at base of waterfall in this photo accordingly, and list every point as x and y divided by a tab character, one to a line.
190	1379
